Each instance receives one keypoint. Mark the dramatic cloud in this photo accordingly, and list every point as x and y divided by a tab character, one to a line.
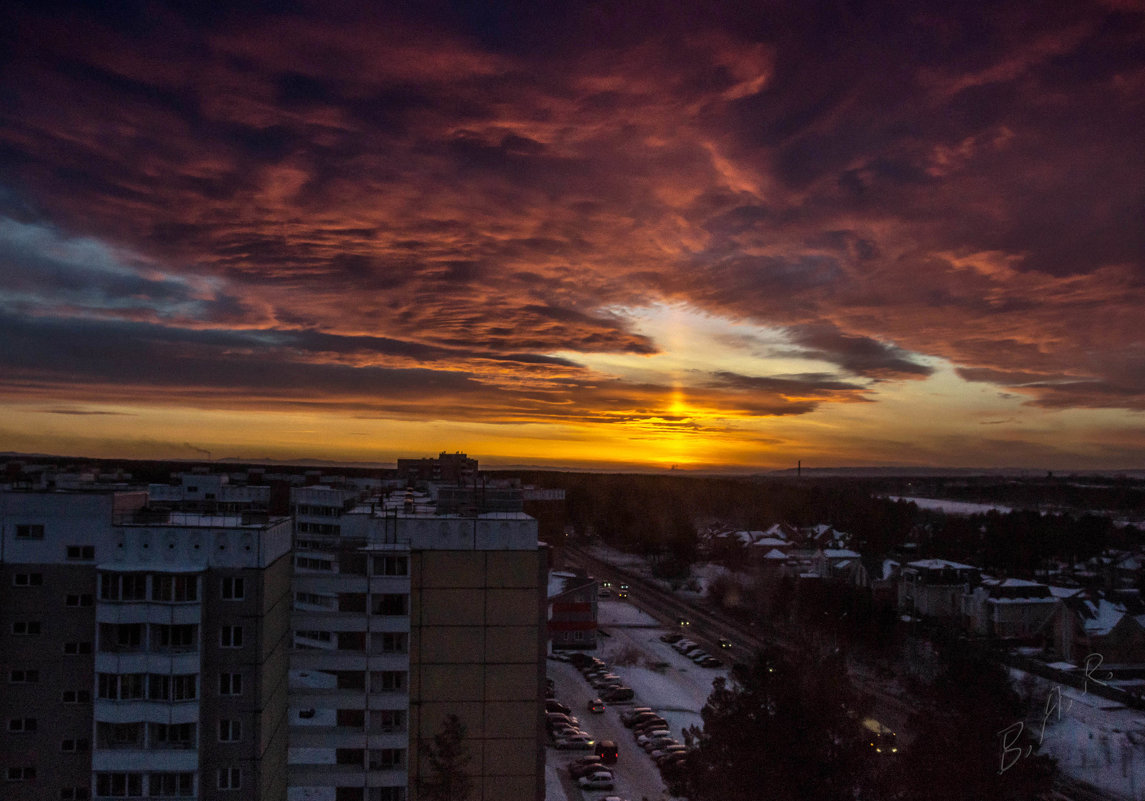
442	212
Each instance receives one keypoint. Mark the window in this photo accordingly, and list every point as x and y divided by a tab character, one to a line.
121	687
77	648
177	589
350	679
230	731
348	794
387	720
351	640
28	580
349	756
75	794
311	599
119	785
82	553
30	531
21	725
21	774
234	589
390	642
172	688
391	566
306	563
230	684
386	758
171	784
23	677
352	602
118	735
123	587
173	735
76	696
182	637
387	794
231	637
230	778
79	600
351	718
75	746
391	605
387	680
120	636
26	628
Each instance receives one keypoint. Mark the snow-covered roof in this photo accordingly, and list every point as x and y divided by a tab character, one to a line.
839	553
771	542
1101	616
939	564
1064	592
775	553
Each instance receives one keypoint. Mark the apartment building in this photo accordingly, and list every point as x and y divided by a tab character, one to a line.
144	652
403	616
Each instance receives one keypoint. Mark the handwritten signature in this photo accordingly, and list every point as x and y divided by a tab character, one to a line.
1011	751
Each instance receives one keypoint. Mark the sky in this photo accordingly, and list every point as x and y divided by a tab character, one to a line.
596	235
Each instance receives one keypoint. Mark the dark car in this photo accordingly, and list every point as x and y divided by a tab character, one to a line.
616	694
553	705
725	642
671	637
710	662
607	751
596	705
628	716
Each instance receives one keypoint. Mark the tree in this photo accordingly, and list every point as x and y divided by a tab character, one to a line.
783	728
973	740
448	759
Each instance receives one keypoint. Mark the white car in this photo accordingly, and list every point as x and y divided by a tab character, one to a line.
575	742
600	780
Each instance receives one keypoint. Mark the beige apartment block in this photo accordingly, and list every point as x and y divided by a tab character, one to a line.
401	619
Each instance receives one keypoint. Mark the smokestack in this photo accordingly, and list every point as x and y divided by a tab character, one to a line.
799	469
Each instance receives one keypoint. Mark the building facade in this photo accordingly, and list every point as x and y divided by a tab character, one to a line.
162	674
401	619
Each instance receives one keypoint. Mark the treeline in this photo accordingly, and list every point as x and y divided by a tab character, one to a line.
653	514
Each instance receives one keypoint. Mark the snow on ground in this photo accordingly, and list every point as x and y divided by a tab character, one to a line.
1094	740
952	507
554	790
662	679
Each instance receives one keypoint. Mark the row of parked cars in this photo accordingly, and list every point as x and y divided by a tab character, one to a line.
652	734
609	686
692	650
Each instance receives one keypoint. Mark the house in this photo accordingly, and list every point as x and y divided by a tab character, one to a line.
934	587
1098	626
1009	608
572	610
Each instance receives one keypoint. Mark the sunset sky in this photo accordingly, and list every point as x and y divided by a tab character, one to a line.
605	235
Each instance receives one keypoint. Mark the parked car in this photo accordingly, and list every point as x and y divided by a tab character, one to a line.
698	655
575	742
596	705
710	662
560	717
651	735
674	748
671	637
601	780
628	716
587	759
576	771
553	705
621	693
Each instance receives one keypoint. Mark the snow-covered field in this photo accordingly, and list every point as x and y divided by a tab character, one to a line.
1094	740
952	507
